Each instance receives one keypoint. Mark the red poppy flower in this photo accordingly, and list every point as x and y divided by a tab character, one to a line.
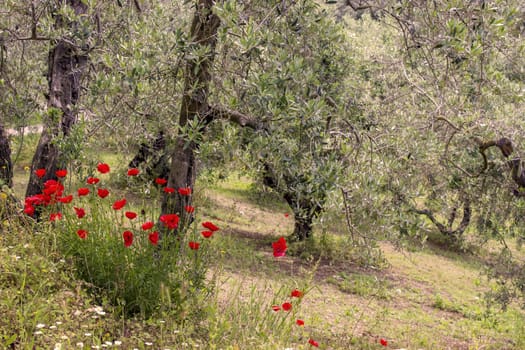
189	209
161	181
82	234
52	188
61	173
185	191
80	212
206	234
276	308
299	322
92	180
147	225
154	237
131	215
286	215
279	247
40	173
210	226
83	191
383	342
119	204
55	216
133	172
66	199
169	189
194	245
287	306
103	168
313	343
29	209
37	199
296	293
102	192
170	220
128	238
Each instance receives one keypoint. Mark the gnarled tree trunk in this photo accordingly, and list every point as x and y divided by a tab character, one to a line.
305	208
66	64
194	104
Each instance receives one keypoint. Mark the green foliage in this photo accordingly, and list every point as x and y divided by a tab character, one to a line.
295	87
138	278
248	317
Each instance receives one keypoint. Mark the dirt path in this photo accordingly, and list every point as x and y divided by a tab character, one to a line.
31	129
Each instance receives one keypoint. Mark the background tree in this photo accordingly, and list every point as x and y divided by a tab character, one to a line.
455	72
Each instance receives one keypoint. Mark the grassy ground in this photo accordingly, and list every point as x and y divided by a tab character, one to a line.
425	299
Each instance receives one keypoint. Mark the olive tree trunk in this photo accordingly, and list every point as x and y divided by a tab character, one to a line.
66	64
194	105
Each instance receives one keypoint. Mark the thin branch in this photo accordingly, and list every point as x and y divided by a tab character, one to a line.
236	117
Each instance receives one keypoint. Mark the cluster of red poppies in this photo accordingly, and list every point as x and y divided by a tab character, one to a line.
53	190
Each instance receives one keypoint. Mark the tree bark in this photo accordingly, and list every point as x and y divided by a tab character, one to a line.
6	167
153	155
66	64
304	207
194	104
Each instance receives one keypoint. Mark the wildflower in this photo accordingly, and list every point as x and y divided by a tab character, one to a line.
66	199
194	245
189	209
133	172
207	234
40	173
52	189
147	225
383	342
296	293
128	238
92	180
61	173
276	308
83	191
287	306
29	209
55	216
185	191
80	212
169	190
299	322
170	220
313	343
161	181
103	168
279	247
286	215
154	237
131	215
119	204
102	192
82	234
210	226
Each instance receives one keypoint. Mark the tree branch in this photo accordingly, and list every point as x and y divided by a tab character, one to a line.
236	117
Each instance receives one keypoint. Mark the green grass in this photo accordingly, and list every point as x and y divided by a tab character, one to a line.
426	298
